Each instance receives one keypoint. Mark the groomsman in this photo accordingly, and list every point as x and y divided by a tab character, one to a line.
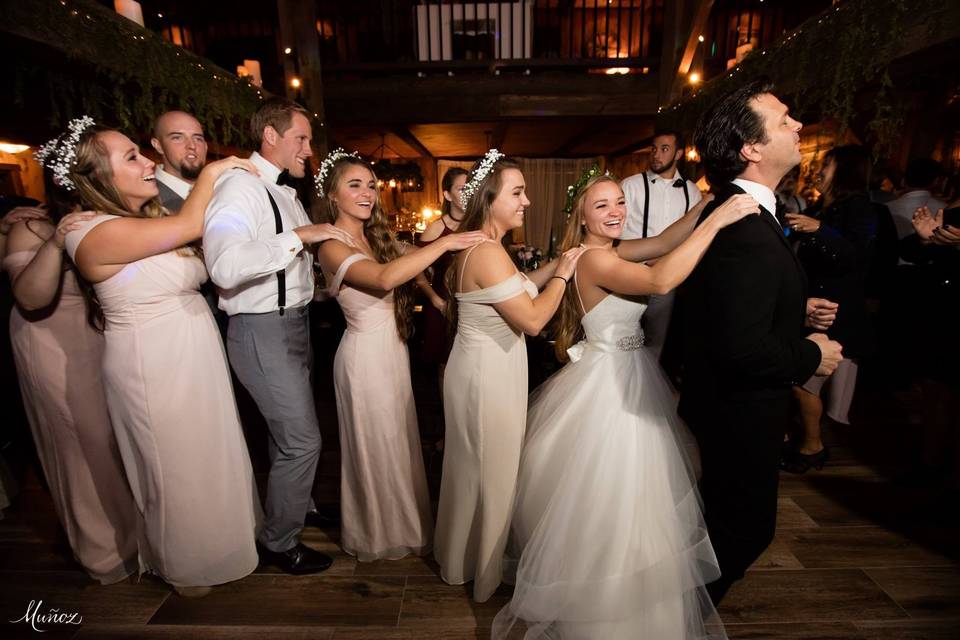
744	309
254	241
656	199
178	138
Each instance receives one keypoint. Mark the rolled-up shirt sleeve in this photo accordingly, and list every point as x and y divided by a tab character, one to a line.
232	249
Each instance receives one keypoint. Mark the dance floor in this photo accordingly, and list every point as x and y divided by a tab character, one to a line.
856	556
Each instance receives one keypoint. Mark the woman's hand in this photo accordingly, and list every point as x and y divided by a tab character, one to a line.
213	170
801	223
924	224
20	214
70	222
460	241
734	209
313	233
438	303
567	262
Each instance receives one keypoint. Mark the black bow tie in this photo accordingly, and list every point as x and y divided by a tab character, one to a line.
284	178
679	183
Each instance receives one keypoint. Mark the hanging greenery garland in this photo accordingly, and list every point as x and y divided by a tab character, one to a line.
824	62
119	72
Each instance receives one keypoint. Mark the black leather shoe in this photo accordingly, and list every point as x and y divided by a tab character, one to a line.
322	518
298	561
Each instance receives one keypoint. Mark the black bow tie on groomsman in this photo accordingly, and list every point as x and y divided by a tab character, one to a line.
679	183
284	179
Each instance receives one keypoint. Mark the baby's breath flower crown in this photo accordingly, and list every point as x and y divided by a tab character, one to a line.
327	164
59	154
574	189
473	184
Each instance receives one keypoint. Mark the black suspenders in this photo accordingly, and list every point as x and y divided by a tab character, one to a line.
646	200
282	274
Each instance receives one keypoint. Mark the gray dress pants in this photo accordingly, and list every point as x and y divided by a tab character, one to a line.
272	358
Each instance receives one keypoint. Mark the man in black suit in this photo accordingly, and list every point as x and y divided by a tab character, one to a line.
744	310
178	138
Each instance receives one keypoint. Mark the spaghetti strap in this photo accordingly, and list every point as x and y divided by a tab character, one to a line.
334	287
576	283
463	264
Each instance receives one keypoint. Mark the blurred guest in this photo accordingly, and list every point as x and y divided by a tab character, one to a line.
789	199
918	179
836	246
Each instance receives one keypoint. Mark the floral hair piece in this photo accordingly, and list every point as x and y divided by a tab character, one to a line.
574	189
327	164
473	184
58	154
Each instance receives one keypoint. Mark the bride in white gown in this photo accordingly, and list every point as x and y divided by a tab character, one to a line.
607	514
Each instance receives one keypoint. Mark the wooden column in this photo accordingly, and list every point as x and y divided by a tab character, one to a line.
298	31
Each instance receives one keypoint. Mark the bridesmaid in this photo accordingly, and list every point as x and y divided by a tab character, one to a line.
57	346
436	342
383	496
165	374
485	386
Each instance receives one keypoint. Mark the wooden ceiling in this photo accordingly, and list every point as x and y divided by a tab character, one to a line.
530	138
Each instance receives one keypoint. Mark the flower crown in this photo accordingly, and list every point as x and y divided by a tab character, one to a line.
58	154
574	189
327	164
478	176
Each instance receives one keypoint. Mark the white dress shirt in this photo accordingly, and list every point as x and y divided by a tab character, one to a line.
903	208
242	249
762	194
178	185
666	203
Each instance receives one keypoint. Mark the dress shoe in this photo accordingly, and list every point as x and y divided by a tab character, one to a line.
298	561
796	462
322	518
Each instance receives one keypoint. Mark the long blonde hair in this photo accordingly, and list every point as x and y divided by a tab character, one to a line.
93	177
567	328
377	232
476	214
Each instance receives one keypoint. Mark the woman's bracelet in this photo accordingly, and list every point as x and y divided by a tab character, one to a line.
565	281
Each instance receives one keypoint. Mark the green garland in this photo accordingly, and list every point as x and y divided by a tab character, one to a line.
824	62
119	72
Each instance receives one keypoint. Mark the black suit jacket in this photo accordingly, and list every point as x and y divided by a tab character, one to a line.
743	314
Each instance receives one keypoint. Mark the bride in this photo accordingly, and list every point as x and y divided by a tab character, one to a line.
607	515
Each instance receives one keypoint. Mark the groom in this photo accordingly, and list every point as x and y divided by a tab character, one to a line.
745	309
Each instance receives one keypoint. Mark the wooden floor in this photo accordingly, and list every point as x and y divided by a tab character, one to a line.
856	557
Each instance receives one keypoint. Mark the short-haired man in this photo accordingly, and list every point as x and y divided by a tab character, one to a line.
178	138
744	311
253	243
656	199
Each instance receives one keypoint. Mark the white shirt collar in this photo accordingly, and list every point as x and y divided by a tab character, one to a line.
269	172
655	177
178	185
761	193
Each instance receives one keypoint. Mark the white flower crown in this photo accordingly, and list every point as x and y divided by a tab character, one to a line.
327	164
473	185
58	154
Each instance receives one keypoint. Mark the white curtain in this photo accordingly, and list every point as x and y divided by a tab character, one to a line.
547	181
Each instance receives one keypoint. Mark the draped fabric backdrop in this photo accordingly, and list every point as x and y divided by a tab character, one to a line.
547	181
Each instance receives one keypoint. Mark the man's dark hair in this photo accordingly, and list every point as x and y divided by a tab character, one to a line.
276	112
851	173
725	127
921	173
677	136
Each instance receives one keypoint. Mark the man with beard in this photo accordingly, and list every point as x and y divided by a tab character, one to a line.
656	199
178	138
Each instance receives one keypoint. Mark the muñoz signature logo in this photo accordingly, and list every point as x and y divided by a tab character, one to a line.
33	617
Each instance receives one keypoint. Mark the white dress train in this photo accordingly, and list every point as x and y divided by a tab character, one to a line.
607	514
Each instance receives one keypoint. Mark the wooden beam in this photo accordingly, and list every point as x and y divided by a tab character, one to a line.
574	141
410	140
499	134
633	146
698	24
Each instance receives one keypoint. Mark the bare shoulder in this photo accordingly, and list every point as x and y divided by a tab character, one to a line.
488	264
433	231
26	234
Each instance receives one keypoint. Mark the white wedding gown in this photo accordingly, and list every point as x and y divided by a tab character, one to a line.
607	514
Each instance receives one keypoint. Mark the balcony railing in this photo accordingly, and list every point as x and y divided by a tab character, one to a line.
378	34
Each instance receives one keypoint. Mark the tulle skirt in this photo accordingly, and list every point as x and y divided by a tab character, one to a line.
608	526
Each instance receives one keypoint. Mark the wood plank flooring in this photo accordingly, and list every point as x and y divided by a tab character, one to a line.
856	557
